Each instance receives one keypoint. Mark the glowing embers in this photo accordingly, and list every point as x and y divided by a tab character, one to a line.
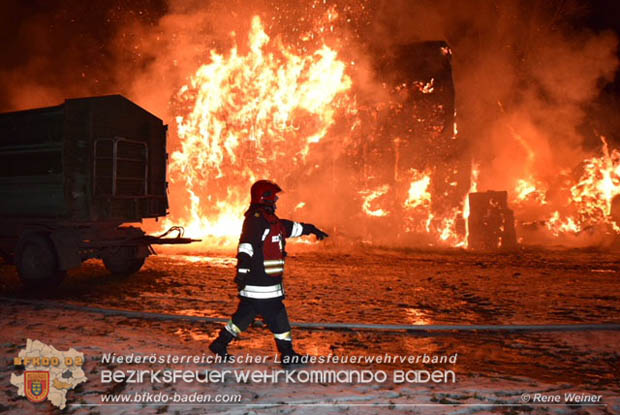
558	225
530	190
419	195
369	196
426	87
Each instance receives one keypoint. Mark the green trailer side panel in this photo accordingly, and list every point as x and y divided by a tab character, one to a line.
31	166
33	196
49	167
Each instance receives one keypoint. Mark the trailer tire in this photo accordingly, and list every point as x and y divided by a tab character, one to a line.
37	263
122	261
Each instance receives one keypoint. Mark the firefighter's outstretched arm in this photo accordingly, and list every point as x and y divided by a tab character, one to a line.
313	230
295	229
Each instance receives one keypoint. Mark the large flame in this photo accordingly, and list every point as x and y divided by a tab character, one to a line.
266	113
529	190
597	186
252	116
419	194
586	201
258	114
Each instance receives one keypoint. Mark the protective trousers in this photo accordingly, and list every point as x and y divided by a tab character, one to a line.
272	310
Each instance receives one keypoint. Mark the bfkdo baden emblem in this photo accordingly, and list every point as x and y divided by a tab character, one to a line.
37	385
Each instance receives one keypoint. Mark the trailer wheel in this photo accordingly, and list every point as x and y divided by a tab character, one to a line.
37	264
122	260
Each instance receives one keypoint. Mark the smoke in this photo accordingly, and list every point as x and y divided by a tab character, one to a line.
526	72
53	50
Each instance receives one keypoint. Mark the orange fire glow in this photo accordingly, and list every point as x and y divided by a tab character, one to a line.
597	186
418	194
369	196
256	114
588	198
529	190
251	115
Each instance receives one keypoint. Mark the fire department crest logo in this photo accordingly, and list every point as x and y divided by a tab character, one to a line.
37	385
49	374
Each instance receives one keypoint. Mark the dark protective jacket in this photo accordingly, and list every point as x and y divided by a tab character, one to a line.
261	252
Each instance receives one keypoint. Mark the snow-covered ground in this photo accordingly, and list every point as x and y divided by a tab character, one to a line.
495	372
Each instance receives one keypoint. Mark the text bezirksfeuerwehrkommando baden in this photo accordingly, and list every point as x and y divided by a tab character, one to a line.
316	374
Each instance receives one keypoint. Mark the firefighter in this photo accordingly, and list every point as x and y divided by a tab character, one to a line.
260	267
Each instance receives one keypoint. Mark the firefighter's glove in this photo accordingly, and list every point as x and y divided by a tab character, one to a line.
320	235
240	280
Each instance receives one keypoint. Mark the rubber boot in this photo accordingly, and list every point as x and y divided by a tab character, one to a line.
219	346
290	358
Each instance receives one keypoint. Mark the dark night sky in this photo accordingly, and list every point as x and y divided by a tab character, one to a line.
605	15
64	39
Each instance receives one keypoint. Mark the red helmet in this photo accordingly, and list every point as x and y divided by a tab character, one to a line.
264	192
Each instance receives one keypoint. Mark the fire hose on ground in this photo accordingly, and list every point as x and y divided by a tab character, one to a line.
338	326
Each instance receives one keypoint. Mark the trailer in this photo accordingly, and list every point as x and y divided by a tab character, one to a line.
72	179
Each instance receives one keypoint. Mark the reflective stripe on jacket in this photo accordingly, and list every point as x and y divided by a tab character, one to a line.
262	292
